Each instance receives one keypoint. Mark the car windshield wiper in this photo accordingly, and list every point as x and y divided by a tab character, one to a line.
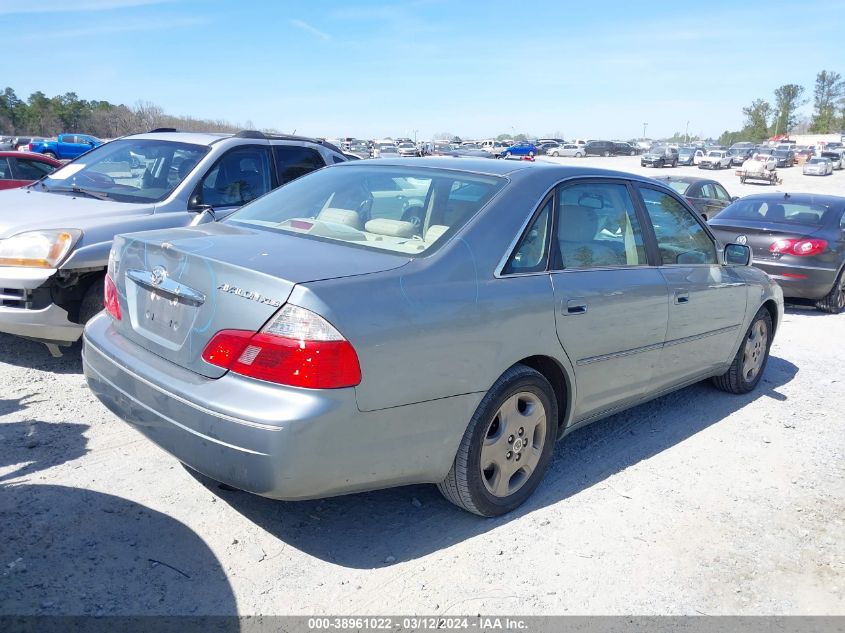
99	195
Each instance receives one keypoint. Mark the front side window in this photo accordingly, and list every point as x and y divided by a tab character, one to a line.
128	170
597	227
399	209
5	169
532	252
240	176
680	238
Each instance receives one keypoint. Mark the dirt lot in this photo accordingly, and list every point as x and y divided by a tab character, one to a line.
699	502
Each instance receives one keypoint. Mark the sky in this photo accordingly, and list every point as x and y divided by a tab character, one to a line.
369	69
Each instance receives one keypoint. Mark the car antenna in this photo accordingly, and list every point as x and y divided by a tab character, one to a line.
786	195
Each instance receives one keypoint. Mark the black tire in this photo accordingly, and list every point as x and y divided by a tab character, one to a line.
674	163
834	301
736	379
662	164
92	301
578	155
465	485
633	153
605	154
51	155
531	154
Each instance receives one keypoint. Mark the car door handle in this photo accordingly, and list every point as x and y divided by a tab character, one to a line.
681	297
576	307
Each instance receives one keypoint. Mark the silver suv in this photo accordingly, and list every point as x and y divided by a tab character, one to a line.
56	234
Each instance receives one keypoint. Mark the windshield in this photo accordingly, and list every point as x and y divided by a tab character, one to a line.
781	212
407	146
398	209
140	171
715	154
685	151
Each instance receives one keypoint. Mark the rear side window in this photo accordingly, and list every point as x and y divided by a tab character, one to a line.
293	161
531	255
240	176
597	227
680	238
5	169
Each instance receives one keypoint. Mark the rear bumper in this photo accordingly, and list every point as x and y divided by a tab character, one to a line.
271	440
815	283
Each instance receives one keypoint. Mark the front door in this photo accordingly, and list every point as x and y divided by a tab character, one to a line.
706	300
610	305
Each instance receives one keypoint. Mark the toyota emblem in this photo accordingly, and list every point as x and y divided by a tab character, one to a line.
741	239
159	274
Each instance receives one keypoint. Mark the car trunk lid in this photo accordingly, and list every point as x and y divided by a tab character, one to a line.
760	236
179	287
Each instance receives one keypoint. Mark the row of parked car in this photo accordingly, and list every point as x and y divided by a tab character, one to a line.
233	335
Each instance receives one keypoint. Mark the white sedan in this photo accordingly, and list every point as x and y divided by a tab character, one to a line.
715	159
818	166
567	149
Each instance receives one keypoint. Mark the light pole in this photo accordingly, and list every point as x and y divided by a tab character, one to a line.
686	134
645	126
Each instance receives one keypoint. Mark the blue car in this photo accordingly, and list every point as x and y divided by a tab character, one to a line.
523	148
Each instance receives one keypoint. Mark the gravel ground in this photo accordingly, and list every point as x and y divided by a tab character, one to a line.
699	502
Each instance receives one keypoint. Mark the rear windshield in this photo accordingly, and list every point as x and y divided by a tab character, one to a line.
678	185
400	209
777	211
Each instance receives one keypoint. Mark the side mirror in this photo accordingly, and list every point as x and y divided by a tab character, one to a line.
734	198
737	255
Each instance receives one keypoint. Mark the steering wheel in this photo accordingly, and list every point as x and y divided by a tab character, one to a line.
413	213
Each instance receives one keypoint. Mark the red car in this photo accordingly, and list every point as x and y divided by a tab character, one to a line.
22	168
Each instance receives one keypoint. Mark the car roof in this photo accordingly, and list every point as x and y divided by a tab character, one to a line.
806	198
687	179
500	167
33	155
197	138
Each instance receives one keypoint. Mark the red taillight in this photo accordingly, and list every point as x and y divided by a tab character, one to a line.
329	362
29	147
802	248
110	301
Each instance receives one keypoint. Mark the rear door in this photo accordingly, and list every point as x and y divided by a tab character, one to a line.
611	306
293	161
707	301
7	177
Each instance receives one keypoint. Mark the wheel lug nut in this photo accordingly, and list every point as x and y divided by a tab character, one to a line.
510	439
521	431
518	455
509	454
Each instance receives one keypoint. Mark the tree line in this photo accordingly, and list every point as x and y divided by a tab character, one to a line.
764	119
40	115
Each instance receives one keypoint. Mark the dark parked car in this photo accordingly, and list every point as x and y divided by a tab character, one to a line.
660	157
624	149
798	239
707	196
784	157
689	155
22	168
289	376
543	148
740	154
599	148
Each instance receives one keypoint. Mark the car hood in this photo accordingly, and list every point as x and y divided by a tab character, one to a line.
29	209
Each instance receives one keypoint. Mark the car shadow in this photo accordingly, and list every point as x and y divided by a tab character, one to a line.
74	552
34	446
22	352
805	309
378	528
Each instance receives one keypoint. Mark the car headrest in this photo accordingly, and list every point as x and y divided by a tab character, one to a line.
435	232
340	216
391	228
580	224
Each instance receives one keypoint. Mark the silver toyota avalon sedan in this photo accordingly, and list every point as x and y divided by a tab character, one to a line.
379	324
